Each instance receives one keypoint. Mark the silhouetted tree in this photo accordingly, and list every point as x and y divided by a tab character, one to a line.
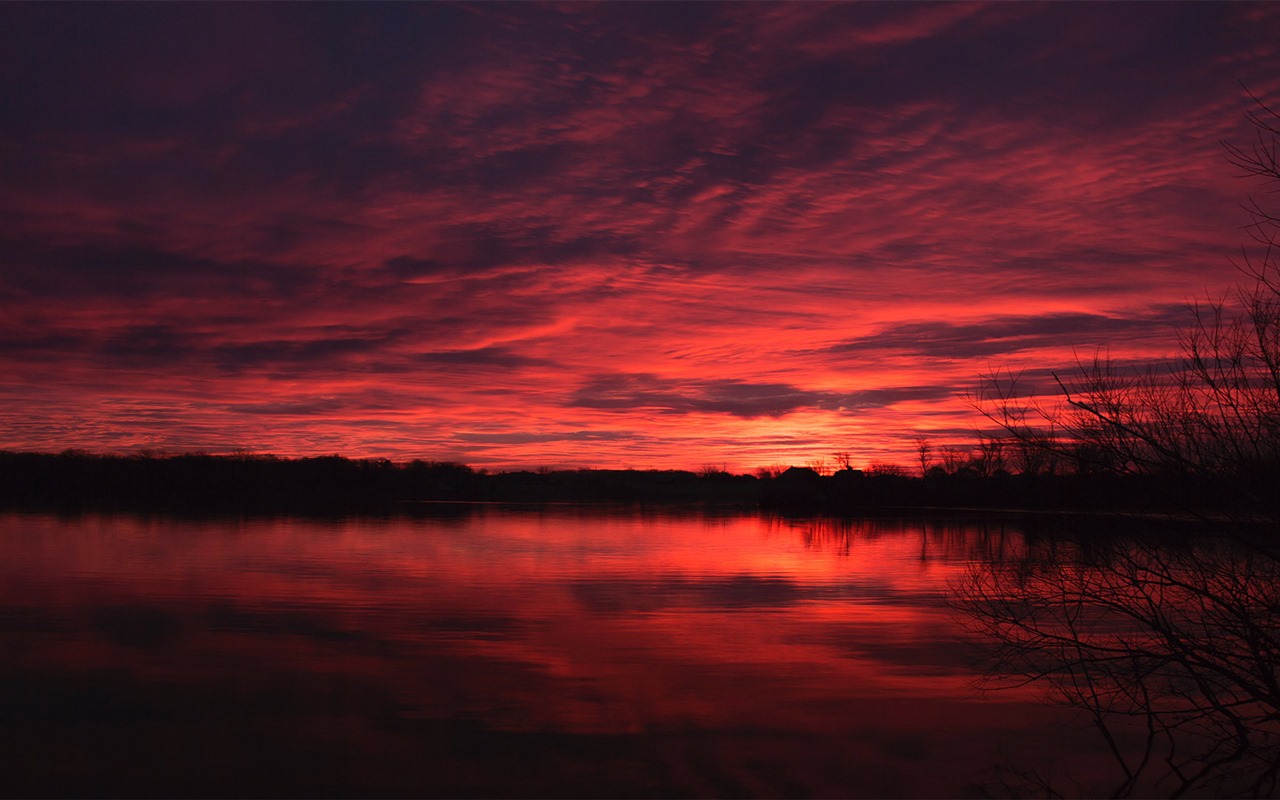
989	458
1210	417
819	465
953	458
886	469
924	453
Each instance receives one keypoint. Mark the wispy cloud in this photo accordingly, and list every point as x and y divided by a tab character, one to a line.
596	234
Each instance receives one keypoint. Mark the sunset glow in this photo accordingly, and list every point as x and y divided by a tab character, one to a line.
599	235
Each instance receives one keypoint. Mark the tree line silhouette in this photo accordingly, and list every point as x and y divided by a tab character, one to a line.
200	481
252	482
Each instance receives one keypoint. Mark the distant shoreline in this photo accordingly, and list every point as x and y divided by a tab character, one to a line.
248	483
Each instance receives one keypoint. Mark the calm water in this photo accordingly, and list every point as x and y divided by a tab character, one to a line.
498	651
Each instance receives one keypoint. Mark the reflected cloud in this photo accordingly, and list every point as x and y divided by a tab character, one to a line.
497	651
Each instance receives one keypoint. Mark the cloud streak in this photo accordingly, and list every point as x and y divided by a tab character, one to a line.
595	234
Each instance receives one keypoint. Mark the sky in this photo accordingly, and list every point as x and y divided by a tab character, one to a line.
621	235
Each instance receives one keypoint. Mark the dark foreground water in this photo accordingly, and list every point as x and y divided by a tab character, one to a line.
496	651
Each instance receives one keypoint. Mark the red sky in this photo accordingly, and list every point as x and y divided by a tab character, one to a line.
623	235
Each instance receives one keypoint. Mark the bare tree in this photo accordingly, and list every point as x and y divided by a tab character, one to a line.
1212	414
924	452
989	458
884	469
953	458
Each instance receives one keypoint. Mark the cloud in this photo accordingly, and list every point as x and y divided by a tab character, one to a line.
480	357
1008	335
34	268
312	352
734	397
293	408
539	438
729	396
800	223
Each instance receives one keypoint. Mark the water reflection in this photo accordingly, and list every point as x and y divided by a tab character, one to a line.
1170	645
492	651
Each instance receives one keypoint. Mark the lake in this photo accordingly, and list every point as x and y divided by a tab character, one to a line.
472	650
